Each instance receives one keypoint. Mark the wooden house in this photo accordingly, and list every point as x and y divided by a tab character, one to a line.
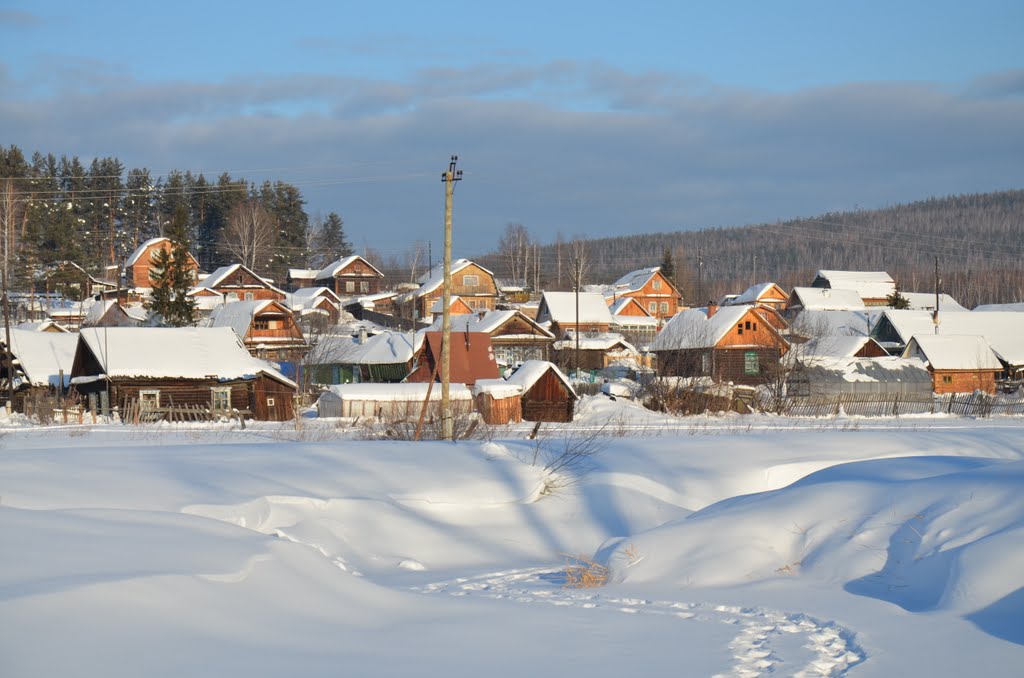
571	312
873	287
300	278
633	321
267	328
596	352
140	263
515	338
471	358
732	344
651	288
472	283
456	306
1001	331
238	283
382	358
40	369
315	301
350	276
823	299
547	394
109	313
150	369
958	364
766	294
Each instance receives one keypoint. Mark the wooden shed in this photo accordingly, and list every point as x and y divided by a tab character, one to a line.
154	369
547	393
498	401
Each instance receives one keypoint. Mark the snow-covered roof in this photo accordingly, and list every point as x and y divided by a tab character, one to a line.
530	371
869	370
925	301
634	281
224	272
868	284
238	315
488	323
595	342
1002	331
953	352
496	388
619	305
1000	308
42	355
812	322
754	293
142	248
386	348
335	267
302	273
397	392
175	352
41	326
693	328
307	297
824	299
833	346
561	308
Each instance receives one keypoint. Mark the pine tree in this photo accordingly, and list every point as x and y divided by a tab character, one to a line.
331	243
668	266
897	301
172	276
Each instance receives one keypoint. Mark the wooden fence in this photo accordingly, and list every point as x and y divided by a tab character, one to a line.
894	405
133	413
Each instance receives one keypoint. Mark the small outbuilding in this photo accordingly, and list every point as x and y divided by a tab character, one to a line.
958	364
547	393
395	402
498	401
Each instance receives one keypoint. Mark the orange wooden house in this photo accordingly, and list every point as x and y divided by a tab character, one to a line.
957	363
651	288
137	268
267	328
472	283
730	344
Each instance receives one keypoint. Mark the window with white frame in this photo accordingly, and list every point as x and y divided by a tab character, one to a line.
270	402
364	287
470	280
220	398
656	284
350	285
249	296
652	307
664	307
149	400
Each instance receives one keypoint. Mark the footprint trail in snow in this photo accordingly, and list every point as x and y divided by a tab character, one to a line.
767	641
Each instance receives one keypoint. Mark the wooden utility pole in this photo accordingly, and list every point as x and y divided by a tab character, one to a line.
935	316
449	178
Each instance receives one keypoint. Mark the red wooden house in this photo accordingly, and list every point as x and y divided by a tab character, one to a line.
547	393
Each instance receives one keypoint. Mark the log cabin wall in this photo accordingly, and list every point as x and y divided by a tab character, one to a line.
548	400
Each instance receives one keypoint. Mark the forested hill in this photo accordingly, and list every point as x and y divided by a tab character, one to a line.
979	240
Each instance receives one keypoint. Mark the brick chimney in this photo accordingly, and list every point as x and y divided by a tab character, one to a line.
712	308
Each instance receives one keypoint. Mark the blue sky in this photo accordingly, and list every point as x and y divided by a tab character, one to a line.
581	118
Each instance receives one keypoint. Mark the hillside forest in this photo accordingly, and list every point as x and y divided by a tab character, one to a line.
59	211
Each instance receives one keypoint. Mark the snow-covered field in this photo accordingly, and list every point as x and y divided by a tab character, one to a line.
737	546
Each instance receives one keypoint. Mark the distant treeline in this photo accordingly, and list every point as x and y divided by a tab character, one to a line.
978	239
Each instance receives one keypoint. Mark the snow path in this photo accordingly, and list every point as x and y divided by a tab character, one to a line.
767	641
